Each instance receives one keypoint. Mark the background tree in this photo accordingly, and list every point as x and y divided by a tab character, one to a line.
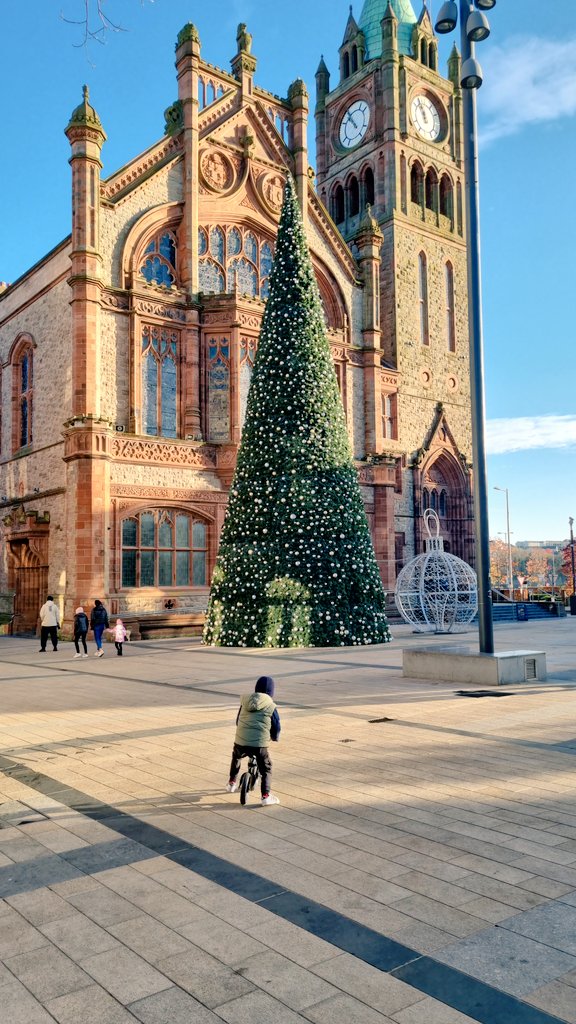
566	568
296	565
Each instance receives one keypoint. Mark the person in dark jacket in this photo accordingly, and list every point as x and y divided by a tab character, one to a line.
98	623
257	722
80	631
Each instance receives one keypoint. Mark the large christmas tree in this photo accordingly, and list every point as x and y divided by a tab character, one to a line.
296	566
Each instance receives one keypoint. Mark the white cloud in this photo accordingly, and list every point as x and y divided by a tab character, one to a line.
526	432
527	81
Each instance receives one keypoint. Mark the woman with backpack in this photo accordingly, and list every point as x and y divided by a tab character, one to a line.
98	623
80	631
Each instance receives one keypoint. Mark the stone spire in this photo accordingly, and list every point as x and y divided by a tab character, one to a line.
351	30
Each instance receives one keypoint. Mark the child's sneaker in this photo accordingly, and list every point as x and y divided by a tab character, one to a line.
270	799
232	786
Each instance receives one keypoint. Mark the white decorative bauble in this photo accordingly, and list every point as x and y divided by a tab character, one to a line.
436	592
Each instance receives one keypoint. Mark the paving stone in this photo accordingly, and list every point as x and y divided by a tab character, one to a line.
104	907
342	1009
79	937
293	942
436	914
125	975
285	980
258	1006
40	906
47	973
18	1006
172	1006
378	990
222	940
17	935
150	938
92	1005
510	962
204	977
430	1011
553	924
556	998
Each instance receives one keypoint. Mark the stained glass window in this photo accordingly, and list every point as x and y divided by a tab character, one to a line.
159	381
242	277
23	384
210	277
202	242
234	242
217	244
251	247
159	267
219	389
266	258
161	548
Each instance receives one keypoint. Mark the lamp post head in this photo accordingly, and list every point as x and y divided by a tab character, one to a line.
471	76
477	27
447	18
485	5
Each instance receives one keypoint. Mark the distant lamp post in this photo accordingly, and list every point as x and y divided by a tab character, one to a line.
573	594
554	553
473	30
510	571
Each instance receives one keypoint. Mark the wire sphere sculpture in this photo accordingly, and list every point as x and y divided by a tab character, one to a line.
436	592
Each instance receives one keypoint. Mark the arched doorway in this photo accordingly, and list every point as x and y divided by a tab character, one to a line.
27	542
445	486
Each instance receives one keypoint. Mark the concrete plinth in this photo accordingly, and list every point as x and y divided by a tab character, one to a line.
464	665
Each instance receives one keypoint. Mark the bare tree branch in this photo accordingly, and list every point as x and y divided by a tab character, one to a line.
95	24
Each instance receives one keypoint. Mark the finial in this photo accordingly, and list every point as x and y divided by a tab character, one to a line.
85	93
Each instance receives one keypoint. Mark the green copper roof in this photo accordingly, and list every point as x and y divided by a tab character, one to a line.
372	13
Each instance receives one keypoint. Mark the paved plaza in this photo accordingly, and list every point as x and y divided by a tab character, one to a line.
420	868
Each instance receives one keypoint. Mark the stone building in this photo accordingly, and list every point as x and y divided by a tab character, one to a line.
116	456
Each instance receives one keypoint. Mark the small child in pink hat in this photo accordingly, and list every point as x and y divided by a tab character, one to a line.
120	635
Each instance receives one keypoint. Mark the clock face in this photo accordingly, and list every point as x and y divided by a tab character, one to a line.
426	118
354	124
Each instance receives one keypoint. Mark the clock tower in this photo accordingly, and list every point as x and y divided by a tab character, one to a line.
389	151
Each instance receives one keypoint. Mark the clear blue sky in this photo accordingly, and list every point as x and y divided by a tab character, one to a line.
527	110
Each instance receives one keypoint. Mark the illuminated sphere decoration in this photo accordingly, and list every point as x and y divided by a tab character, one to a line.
436	592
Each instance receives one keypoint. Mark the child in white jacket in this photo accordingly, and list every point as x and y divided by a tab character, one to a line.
120	635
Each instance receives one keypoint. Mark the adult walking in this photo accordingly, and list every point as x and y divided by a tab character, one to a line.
49	622
98	623
80	631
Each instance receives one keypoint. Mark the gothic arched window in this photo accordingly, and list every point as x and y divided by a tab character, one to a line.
369	186
442	504
158	264
432	56
159	356
389	417
416	183
23	392
423	297
164	548
338	204
446	196
431	190
450	324
423	52
346	65
354	59
354	197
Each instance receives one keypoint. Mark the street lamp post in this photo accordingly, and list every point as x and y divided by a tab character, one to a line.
473	28
510	571
573	595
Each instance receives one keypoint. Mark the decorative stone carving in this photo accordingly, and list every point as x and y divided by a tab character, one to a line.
174	118
217	171
168	148
205	501
162	453
160	309
111	300
271	187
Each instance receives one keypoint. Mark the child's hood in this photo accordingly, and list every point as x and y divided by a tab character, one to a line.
257	702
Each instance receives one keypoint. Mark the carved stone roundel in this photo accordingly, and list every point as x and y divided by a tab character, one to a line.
217	171
272	191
